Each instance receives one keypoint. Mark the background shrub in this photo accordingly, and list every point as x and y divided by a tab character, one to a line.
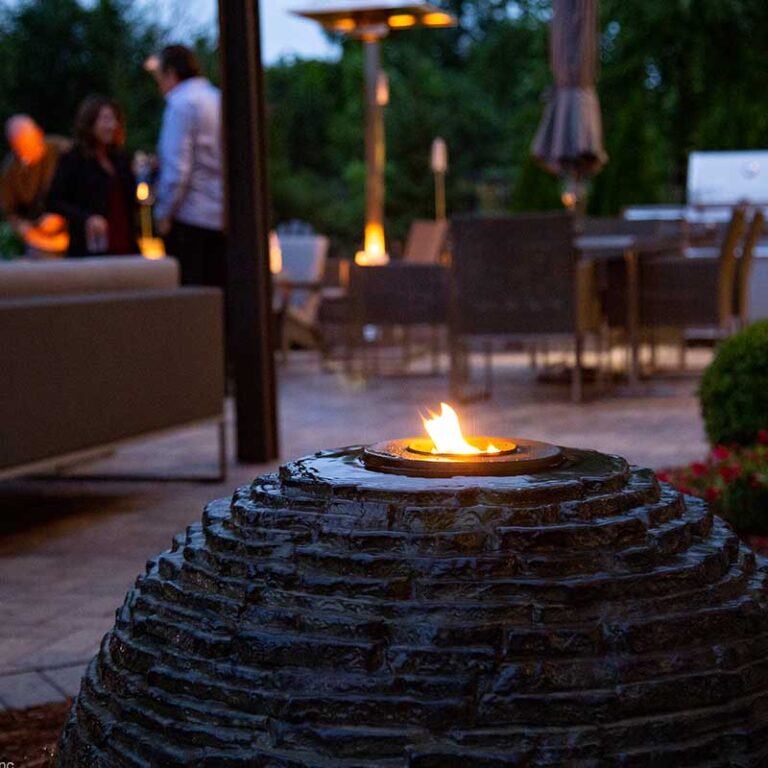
734	389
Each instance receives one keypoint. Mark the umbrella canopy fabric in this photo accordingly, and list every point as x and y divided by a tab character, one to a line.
569	140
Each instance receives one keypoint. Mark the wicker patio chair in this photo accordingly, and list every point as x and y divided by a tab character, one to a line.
427	242
513	278
744	267
694	292
394	299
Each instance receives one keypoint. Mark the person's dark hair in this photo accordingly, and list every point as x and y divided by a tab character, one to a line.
87	115
181	60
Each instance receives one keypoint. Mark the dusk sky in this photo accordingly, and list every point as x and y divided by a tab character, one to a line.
282	33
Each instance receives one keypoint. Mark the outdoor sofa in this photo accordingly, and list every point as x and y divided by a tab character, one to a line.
98	351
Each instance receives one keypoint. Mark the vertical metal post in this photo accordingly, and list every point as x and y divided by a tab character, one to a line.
375	143
249	281
439	195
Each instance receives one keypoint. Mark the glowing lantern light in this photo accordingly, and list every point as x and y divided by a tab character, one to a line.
402	21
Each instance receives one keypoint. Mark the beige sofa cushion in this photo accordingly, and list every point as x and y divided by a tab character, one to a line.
104	274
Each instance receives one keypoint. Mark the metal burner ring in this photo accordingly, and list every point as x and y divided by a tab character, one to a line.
413	457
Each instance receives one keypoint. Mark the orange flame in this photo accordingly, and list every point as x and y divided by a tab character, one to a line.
275	254
375	253
445	431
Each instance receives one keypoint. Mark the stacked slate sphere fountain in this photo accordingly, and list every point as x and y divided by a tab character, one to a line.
384	607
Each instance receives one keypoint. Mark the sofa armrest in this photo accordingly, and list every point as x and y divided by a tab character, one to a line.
83	371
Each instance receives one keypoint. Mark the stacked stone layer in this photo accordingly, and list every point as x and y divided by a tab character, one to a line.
334	616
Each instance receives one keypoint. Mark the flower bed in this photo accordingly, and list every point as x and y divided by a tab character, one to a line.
734	480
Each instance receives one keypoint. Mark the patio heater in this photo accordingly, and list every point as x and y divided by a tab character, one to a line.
370	22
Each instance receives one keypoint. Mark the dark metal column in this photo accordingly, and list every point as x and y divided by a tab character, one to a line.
249	279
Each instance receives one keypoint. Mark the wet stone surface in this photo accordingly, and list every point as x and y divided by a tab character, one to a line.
329	615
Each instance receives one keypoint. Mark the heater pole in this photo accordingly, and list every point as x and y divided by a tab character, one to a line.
249	295
439	195
375	146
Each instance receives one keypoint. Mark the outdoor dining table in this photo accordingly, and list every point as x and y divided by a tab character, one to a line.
631	248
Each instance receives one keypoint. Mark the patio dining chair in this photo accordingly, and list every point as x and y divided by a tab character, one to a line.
694	292
427	241
744	267
513	278
392	301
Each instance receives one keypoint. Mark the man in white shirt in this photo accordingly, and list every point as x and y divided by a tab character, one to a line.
189	206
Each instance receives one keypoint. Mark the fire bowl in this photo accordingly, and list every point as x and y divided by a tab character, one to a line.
414	457
335	615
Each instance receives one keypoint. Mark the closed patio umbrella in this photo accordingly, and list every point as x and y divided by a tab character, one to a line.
569	140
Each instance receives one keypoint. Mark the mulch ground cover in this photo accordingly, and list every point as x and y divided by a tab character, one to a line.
28	737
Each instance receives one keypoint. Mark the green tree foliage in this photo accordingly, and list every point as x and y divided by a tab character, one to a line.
676	75
56	52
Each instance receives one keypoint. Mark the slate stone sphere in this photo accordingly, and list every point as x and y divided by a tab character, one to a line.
330	615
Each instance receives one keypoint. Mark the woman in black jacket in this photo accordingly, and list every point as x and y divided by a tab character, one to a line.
94	187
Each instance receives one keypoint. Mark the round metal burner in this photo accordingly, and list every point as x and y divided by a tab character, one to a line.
423	446
414	457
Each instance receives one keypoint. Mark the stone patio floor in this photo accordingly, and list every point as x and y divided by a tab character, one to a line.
70	549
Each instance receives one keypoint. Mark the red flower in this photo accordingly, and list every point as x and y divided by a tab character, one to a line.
662	477
762	436
729	473
698	469
713	493
720	452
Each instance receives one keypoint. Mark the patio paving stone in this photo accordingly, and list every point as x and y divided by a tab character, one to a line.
27	689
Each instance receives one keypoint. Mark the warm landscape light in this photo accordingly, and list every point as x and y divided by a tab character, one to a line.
346	24
275	254
152	248
375	253
402	21
142	192
437	20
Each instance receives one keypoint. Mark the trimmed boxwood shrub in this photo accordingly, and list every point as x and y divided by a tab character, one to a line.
734	389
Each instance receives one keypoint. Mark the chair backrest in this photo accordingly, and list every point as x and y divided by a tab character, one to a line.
744	266
694	292
513	275
304	258
727	265
426	241
399	294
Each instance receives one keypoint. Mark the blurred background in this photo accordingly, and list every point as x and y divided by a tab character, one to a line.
676	76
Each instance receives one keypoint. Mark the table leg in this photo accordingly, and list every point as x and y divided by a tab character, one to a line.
633	314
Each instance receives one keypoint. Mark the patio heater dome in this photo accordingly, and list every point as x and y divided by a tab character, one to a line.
369	18
388	607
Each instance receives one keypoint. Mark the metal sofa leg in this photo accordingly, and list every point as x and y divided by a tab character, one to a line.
149	477
577	389
488	390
